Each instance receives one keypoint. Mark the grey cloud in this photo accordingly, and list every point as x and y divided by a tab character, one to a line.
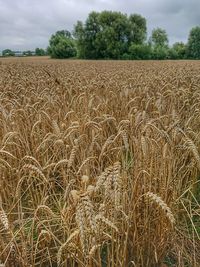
26	24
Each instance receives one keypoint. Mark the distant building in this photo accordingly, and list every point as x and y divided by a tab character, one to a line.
29	53
18	53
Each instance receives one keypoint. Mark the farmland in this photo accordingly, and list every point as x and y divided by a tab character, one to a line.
99	163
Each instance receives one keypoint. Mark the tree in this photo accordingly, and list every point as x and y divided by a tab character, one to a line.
86	35
140	51
159	38
80	37
7	53
138	29
112	40
62	45
193	48
39	52
159	42
27	53
104	35
178	51
109	34
160	52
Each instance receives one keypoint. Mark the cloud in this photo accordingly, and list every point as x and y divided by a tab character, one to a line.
26	24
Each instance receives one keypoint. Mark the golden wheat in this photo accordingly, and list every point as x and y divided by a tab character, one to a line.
99	163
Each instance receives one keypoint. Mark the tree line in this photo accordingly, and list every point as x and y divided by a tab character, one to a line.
36	52
113	35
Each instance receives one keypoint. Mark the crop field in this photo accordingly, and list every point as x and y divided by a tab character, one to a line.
99	163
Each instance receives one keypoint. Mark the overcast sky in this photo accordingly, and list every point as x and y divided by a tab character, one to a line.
26	24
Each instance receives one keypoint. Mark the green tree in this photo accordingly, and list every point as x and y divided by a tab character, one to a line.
159	42
104	35
39	52
193	48
62	45
112	39
80	37
140	51
160	52
177	51
86	36
138	29
109	34
7	53
159	37
27	53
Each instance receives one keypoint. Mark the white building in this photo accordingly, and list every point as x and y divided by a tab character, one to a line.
18	53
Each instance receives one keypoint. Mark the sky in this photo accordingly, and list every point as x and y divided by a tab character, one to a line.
27	24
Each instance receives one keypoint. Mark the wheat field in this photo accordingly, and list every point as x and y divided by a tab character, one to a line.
99	163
